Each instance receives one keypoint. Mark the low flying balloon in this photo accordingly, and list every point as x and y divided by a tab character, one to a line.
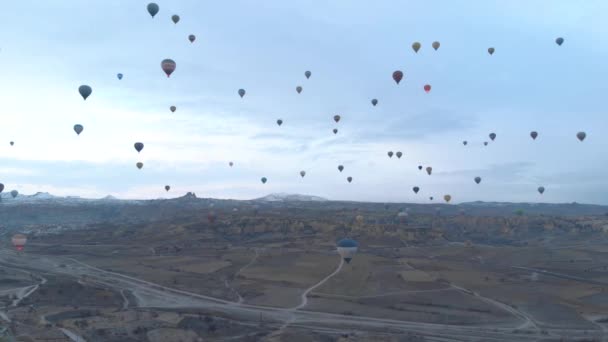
374	102
397	76
191	38
427	88
302	173
559	41
492	136
534	134
241	92
307	74
139	165
491	51
211	217
429	170
336	118
390	154
119	76
14	193
349	179
264	180
347	248
581	136
447	198
152	9
359	219
175	18
335	130
541	189
436	45
138	146
167	187
19	241
85	91
78	129
279	122
416	189
398	154
168	65
299	89
172	109
477	180
340	168
416	46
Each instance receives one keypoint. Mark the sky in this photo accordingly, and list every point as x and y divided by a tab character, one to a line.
48	49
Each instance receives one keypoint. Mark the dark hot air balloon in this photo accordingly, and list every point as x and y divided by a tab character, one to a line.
138	146
172	109
416	46
464	143
416	189
78	129
299	89
1	187
447	198
119	76
491	51
559	41
14	193
241	92
477	180
340	168
399	154
175	18
485	143
336	118
397	76
492	136
335	130
541	189
581	136
307	74
374	102
12	143
85	91
349	179
347	248
139	165
279	122
152	9
191	38
390	154
167	187
436	45
429	170
264	180
302	173
168	65
534	134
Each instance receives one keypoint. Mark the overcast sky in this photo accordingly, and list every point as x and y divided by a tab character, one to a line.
49	48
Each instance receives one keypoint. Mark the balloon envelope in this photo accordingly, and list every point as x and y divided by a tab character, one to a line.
491	51
172	109
581	136
168	65
492	136
139	165
429	170
241	92
175	18
167	187
231	164
559	41
347	248
349	179
340	168
264	180
427	88
78	129
534	134
390	154
191	38
416	46
279	122
138	146
14	193
299	89
398	154
336	118
436	45
464	143
152	9
416	189
419	167
307	74
85	91
447	198
1	187
541	189
374	102
302	173
397	76
12	143
119	75
335	130
477	180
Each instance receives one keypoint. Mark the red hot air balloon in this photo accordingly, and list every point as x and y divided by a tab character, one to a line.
19	241
397	76
168	66
427	88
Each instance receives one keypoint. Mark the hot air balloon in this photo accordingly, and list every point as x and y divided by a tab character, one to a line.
390	154
336	118
14	193
175	18
399	154
402	215
374	102
436	45
12	143
485	143
492	136
429	170
581	136
419	167
119	76
534	134
78	129
264	180
231	164
397	76
85	91
491	51
19	241
349	179
167	187
340	168
241	92
211	217
541	189
307	74
168	65
139	165
431	198
191	38
299	89
359	219
447	198
138	146
152	9
559	41
464	143
347	248
427	88
416	189
1	187
335	130
416	46
172	109
477	180
302	173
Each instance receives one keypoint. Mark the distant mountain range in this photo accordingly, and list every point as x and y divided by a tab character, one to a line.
285	197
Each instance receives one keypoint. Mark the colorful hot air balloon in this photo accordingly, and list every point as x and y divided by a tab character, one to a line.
492	136
175	18
14	193
335	130
19	241
172	109
139	165
397	76
447	198
534	134
541	189
349	179
264	180
138	146
347	248
299	89
374	102
390	154
119	76
429	170
477	180
78	129
168	65
279	122
85	91
416	46
416	189
307	74
167	187
241	92
340	168
191	38
336	118
491	51
399	154
581	136
559	41
152	9
231	164
302	173
427	88
436	45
